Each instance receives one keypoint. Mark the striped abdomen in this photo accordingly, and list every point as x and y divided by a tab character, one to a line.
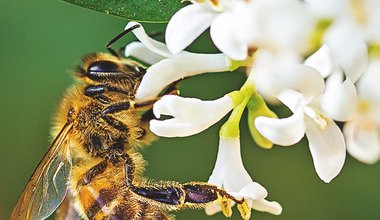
100	192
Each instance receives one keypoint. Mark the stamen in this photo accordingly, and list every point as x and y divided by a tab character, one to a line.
363	107
317	117
244	210
225	204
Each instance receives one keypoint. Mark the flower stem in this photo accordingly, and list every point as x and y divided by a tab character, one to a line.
230	129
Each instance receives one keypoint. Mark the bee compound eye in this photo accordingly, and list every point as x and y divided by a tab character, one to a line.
103	66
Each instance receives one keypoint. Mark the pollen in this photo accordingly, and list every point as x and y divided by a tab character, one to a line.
359	11
363	107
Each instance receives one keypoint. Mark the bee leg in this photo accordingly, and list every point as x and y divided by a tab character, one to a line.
139	105
200	193
97	92
168	193
129	105
193	194
115	123
94	90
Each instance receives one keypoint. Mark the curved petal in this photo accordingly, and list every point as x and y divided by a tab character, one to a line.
368	85
339	101
174	128
304	79
363	141
252	190
229	171
264	205
292	99
325	8
151	44
353	59
230	174
139	51
223	35
285	131
321	61
327	148
212	209
161	74
191	115
192	109
186	25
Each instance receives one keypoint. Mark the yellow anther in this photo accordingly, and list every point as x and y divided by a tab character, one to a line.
225	204
244	210
363	107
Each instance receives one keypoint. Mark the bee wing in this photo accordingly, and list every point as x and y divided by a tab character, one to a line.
47	186
66	210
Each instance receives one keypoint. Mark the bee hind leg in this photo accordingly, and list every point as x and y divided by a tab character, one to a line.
192	194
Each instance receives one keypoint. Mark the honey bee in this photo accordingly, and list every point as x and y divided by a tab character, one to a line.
94	165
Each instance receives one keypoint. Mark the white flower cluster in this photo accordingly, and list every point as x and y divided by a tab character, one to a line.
320	58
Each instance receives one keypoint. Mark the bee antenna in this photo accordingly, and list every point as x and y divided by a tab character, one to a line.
122	34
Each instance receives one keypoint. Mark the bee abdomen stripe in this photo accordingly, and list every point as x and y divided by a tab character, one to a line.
105	197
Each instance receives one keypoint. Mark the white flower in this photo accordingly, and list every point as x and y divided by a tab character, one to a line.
273	73
326	141
189	22
363	14
339	99
354	23
229	173
190	115
169	67
281	26
335	57
237	25
363	131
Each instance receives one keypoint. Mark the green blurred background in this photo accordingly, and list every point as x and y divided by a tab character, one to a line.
42	41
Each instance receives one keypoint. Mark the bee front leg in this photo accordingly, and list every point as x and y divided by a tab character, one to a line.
97	92
140	105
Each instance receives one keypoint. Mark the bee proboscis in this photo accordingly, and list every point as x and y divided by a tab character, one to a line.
93	164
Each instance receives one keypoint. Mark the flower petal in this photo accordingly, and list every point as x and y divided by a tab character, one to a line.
151	44
174	128
161	74
264	205
273	73
229	171
340	99
212	209
186	25
223	35
368	85
191	115
304	79
321	61
327	148
363	141
353	59
252	190
230	174
285	131
139	51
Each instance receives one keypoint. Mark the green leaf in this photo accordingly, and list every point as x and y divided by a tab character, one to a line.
153	11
